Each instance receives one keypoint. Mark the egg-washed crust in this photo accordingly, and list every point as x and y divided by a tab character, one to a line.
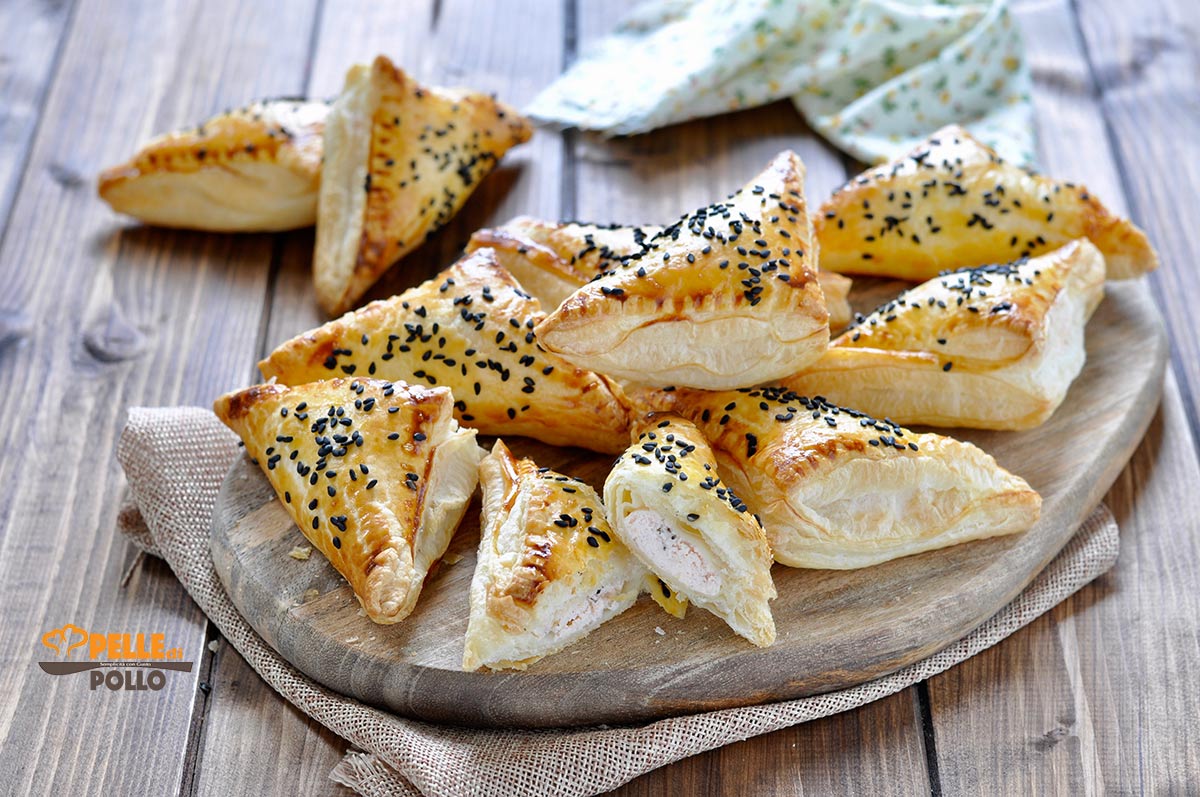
562	539
354	462
554	259
670	468
562	515
726	296
256	168
953	203
994	347
823	479
428	150
469	328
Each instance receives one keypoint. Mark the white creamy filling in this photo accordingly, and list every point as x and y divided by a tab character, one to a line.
670	553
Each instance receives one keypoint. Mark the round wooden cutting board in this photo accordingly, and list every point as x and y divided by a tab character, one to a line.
835	628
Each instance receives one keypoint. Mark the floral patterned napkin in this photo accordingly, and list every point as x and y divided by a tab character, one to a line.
872	76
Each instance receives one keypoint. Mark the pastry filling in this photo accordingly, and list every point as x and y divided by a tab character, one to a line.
675	555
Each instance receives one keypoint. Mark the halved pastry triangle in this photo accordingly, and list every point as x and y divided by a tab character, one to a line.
953	203
549	570
252	169
668	505
469	328
554	259
727	296
400	160
837	489
376	476
994	347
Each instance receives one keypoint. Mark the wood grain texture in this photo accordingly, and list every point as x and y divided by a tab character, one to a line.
128	319
836	628
273	748
100	316
1085	699
26	74
1146	70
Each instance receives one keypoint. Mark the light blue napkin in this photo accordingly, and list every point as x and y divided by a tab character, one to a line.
872	76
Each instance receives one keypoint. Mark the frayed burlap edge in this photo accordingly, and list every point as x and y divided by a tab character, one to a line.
175	460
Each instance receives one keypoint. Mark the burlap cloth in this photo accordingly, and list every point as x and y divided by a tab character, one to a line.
175	460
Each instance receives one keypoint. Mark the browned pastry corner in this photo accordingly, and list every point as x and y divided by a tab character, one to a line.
994	347
725	297
953	203
549	570
838	489
470	328
376	475
252	169
400	160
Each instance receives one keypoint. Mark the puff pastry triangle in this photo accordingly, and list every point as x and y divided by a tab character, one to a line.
836	488
549	571
994	347
469	328
554	259
727	296
376	476
953	203
400	160
667	503
252	169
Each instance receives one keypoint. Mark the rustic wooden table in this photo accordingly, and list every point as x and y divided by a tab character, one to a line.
97	314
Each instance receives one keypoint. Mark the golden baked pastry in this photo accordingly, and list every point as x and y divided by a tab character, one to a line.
552	260
836	288
667	504
470	328
725	297
549	570
376	475
994	347
837	489
953	203
253	169
400	160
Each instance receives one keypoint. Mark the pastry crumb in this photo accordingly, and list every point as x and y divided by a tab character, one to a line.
212	646
301	552
352	640
659	631
310	594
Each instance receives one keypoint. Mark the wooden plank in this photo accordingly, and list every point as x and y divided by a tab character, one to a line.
440	42
274	748
877	749
105	316
32	33
1081	700
1144	69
